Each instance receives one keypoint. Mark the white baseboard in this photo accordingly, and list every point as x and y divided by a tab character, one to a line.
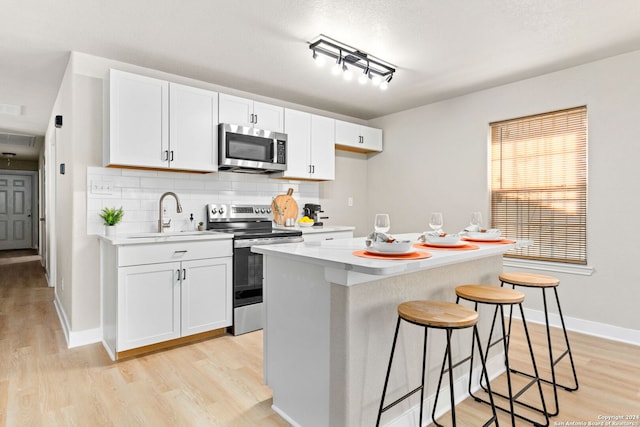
587	327
75	338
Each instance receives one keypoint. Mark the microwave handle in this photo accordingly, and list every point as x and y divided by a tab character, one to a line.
274	143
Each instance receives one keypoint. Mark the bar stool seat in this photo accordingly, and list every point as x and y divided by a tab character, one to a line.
544	282
438	315
501	297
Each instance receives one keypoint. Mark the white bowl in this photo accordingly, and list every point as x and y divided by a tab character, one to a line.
396	247
305	224
490	234
449	239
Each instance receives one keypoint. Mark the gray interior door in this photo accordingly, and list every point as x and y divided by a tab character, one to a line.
15	211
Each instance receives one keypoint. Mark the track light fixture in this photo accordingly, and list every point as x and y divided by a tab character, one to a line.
373	69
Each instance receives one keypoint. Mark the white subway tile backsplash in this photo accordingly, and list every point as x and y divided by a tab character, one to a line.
139	192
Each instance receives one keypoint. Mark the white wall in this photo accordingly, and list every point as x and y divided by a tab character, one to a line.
435	159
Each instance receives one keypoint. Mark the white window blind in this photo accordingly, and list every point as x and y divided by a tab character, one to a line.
539	184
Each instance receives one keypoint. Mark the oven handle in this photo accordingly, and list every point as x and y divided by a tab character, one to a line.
255	242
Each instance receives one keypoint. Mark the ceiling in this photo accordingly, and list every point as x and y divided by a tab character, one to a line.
441	48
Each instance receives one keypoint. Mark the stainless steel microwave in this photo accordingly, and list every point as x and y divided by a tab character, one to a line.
245	149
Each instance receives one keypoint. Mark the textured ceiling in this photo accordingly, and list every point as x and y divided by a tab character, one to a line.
441	48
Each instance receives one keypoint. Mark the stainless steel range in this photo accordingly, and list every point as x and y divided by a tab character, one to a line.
251	225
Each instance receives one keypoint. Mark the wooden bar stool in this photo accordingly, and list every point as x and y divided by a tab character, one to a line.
543	282
501	297
437	315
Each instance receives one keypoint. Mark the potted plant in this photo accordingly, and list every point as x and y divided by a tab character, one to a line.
201	226
111	217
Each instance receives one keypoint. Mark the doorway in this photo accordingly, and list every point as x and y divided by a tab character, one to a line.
16	210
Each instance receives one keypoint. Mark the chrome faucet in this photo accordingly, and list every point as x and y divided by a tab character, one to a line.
161	224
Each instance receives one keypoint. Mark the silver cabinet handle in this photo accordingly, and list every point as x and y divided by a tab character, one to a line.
256	122
165	154
180	252
184	274
178	278
171	156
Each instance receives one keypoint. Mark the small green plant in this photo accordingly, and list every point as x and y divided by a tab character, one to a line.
111	216
201	224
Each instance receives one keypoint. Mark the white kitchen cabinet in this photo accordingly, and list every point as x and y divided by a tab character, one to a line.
310	146
157	124
193	128
247	112
157	292
359	138
138	130
148	304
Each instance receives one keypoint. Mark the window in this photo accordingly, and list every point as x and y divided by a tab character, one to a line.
539	184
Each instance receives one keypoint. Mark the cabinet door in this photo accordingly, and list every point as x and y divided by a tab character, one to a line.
235	110
148	304
138	120
206	295
323	151
372	138
193	128
298	130
268	117
347	134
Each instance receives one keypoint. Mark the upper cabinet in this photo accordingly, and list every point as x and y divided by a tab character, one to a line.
246	112
310	146
359	138
157	124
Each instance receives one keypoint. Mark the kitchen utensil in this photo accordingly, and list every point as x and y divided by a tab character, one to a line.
284	206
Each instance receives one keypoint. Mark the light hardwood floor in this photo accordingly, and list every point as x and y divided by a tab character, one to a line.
217	382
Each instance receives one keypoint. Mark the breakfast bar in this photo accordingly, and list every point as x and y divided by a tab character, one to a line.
329	322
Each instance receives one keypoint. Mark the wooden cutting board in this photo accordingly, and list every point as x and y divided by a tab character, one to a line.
284	206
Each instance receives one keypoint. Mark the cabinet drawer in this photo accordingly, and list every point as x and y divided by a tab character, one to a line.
173	251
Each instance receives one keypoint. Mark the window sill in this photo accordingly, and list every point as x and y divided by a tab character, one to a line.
583	270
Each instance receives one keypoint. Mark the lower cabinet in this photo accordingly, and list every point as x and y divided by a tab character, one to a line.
151	303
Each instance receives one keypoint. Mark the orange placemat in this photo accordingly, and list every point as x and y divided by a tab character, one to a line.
413	255
498	242
466	247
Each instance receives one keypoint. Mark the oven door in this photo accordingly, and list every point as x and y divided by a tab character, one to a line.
247	277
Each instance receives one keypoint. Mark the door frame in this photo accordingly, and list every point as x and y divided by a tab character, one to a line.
35	205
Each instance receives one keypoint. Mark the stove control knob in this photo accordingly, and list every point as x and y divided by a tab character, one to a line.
221	210
268	210
214	211
262	210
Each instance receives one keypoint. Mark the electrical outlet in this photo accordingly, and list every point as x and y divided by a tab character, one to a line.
101	187
350	201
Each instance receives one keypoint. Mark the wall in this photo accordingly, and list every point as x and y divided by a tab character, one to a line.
78	144
21	165
435	159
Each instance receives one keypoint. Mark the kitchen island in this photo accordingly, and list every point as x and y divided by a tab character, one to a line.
329	323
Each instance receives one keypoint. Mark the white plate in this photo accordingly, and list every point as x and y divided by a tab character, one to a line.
457	244
389	253
488	235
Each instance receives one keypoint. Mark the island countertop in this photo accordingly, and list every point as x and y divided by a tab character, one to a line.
329	324
338	255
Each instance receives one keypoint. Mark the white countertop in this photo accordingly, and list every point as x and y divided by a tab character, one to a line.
176	236
338	254
314	230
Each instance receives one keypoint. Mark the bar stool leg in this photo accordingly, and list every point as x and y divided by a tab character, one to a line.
386	380
553	361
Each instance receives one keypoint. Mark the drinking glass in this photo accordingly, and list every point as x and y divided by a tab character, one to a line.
476	218
382	223
435	221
